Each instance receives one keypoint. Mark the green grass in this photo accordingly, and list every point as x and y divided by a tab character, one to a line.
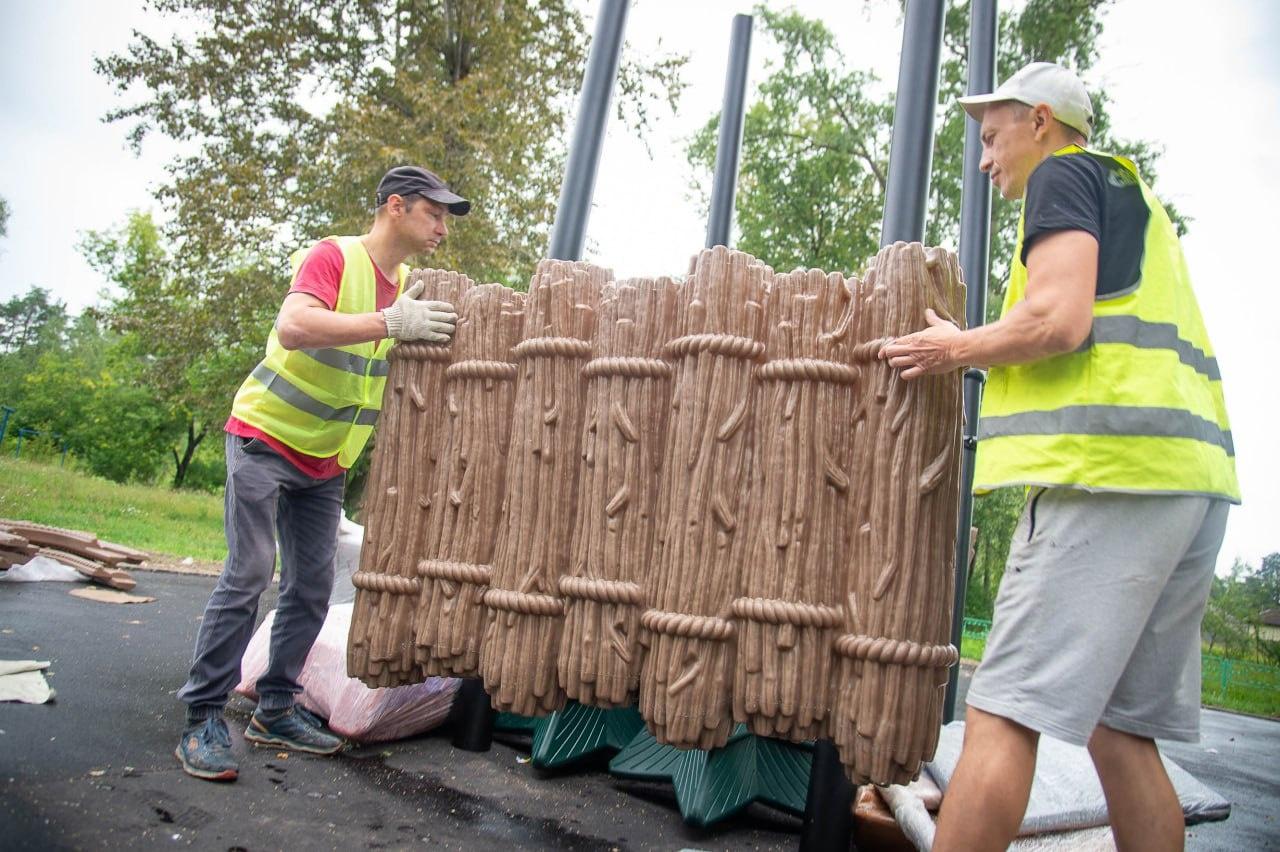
165	522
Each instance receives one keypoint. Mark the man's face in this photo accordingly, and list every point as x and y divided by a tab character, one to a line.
424	223
1010	146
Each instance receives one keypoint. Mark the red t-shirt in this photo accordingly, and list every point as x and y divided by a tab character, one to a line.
319	276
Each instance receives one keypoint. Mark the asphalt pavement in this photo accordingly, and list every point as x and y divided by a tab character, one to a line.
95	768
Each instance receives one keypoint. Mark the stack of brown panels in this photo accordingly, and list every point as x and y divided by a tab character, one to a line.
797	518
717	498
15	549
471	475
101	561
380	646
894	650
685	689
522	640
628	397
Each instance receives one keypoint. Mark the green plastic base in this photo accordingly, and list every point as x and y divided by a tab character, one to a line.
713	785
578	731
513	723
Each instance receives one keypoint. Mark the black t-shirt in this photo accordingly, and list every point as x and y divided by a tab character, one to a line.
1085	192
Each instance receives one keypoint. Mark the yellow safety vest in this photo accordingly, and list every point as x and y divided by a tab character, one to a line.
323	402
1137	408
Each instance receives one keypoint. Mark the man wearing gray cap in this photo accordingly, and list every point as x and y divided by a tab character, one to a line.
299	421
1104	401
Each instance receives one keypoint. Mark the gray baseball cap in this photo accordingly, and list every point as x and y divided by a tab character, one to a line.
1041	83
415	180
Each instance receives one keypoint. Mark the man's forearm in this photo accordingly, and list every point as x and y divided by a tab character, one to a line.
319	328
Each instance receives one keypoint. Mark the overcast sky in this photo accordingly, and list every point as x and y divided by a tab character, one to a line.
1205	86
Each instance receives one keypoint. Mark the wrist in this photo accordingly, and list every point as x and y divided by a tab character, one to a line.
392	320
958	354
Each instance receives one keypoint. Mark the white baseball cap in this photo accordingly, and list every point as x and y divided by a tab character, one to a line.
1041	83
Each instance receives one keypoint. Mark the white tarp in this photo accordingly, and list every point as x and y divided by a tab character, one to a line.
1067	809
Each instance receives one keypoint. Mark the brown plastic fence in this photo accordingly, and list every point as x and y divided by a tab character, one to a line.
713	494
398	499
471	475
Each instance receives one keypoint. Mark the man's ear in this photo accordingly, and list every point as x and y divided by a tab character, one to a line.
1041	120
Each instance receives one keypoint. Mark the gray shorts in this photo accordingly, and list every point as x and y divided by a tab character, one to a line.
1098	616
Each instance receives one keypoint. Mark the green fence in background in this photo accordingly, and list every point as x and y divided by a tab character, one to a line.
1225	682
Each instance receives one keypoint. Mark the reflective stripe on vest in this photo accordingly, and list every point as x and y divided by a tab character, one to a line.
323	402
1137	408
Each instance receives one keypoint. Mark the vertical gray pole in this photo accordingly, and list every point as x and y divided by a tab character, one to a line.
975	241
729	146
570	228
911	153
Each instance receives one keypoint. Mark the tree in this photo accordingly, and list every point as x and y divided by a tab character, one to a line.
80	387
4	217
26	320
297	107
167	336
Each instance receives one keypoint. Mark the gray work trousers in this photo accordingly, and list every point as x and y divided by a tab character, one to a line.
266	497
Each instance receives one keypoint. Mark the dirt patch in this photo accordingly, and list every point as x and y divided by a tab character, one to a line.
180	565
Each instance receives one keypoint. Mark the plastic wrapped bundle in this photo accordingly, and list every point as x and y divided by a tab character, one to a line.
798	529
398	498
470	481
685	689
627	402
894	650
522	639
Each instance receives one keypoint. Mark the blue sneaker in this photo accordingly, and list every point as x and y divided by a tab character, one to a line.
296	729
205	751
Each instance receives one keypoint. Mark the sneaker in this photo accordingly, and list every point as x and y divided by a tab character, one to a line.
297	729
205	751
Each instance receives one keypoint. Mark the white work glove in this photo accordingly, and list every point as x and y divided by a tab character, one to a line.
411	319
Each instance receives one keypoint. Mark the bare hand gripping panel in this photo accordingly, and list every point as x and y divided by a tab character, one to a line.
471	477
798	546
398	498
628	398
685	688
894	650
522	639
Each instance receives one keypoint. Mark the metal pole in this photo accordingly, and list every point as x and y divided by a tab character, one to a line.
729	146
6	411
570	229
911	153
975	243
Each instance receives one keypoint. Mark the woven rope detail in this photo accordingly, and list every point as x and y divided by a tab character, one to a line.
458	572
896	652
632	368
501	370
869	350
717	344
552	347
774	611
808	369
687	624
393	583
416	350
523	603
602	591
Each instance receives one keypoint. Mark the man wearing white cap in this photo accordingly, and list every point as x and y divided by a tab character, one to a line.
1104	401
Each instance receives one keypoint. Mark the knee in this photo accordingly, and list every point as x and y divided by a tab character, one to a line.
1111	748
